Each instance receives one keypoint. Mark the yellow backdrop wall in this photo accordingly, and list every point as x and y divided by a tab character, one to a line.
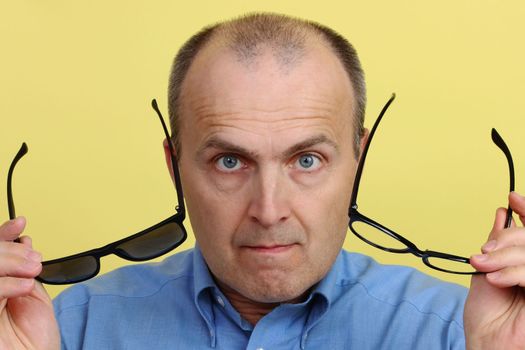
76	79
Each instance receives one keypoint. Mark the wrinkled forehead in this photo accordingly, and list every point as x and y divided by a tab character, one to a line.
220	85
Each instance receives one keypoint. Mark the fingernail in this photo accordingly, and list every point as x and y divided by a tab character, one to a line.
489	246
480	257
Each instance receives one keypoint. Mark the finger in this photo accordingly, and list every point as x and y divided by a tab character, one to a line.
23	250
27	241
18	260
11	229
11	287
517	203
499	259
514	236
513	223
507	277
499	222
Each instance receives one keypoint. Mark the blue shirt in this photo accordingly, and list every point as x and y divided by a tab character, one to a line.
360	304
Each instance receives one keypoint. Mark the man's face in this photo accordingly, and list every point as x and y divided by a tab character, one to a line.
267	166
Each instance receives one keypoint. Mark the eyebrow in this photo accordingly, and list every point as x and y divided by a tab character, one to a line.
218	143
310	142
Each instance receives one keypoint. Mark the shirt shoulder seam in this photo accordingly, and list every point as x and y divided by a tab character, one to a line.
403	301
90	296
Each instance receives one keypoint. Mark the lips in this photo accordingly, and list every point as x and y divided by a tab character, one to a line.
271	249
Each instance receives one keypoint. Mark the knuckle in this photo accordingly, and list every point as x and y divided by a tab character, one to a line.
12	287
514	237
12	265
7	247
512	275
508	257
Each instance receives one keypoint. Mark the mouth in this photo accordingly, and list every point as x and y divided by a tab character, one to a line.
271	249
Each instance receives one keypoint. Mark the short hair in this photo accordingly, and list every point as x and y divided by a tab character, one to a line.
286	36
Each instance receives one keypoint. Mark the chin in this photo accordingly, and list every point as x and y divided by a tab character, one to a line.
276	290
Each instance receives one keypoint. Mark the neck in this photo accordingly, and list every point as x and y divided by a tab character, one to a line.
250	310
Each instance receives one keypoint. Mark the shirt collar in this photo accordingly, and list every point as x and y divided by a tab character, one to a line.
202	284
322	296
327	287
201	274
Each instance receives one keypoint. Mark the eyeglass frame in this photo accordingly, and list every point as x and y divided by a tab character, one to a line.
425	255
110	248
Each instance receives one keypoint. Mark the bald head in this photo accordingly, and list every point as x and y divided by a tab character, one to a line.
252	37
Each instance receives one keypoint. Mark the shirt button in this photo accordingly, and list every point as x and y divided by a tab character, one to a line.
220	301
259	349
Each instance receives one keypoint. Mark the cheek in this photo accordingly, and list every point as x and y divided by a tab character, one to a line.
214	215
327	211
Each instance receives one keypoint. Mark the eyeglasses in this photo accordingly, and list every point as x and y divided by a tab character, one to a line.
381	237
147	244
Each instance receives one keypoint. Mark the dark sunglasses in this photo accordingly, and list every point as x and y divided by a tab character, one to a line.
381	237
147	244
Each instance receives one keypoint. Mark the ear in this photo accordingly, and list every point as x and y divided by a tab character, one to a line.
167	156
363	142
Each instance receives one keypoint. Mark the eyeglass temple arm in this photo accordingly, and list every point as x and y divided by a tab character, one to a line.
10	203
174	161
357	179
498	140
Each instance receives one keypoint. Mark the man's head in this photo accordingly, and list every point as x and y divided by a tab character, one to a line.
266	146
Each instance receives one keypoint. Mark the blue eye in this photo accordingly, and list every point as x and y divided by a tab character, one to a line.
308	162
228	163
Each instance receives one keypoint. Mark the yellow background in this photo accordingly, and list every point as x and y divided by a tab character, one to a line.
77	77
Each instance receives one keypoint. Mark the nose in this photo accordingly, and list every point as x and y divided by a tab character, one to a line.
270	198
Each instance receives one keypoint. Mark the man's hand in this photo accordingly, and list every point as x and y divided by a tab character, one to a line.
495	309
26	313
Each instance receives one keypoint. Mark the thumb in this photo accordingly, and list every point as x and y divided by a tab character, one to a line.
499	223
483	296
517	203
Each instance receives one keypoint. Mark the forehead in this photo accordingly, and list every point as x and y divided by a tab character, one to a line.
265	93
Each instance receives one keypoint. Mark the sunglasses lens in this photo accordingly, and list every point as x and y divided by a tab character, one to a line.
154	243
149	245
69	271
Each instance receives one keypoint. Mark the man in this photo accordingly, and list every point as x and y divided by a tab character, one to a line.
267	118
